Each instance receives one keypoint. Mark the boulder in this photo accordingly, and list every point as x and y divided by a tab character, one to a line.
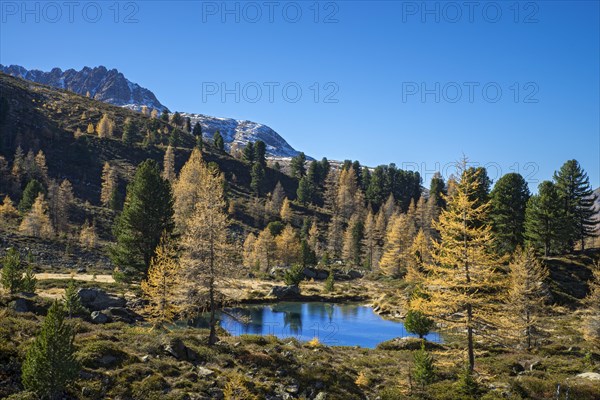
122	314
96	299
99	317
285	292
592	376
322	275
177	349
27	303
354	274
21	305
205	372
310	273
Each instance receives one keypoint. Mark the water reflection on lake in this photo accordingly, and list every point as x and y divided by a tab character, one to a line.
333	324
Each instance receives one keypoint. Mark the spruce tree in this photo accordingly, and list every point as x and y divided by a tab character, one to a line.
148	211
258	176
197	131
508	203
418	323
130	132
423	371
260	150
577	197
177	120
165	116
12	276
218	141
31	192
29	281
297	166
72	301
545	220
50	364
437	190
248	153
304	191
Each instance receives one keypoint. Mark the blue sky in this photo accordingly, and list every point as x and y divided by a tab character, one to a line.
374	60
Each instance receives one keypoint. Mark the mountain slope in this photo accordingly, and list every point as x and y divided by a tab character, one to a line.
38	117
111	86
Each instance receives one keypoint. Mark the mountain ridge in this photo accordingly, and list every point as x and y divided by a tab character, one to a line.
111	86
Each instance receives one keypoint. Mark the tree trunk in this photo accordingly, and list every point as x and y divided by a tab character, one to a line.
528	332
470	337
212	336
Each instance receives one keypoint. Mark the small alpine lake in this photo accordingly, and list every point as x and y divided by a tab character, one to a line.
334	324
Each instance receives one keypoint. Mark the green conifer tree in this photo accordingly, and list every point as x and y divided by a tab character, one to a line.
12	276
218	141
573	186
148	211
260	151
544	220
423	372
31	192
50	364
508	203
248	153
72	301
258	176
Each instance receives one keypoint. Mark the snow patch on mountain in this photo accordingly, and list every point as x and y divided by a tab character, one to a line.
243	132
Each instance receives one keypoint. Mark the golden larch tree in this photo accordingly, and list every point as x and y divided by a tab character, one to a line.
370	239
162	287
40	167
88	237
37	221
463	284
185	192
8	211
109	184
265	249
421	256
90	129
207	255
249	253
288	246
169	165
396	249
105	127
286	211
526	295
349	198
313	238
335	236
